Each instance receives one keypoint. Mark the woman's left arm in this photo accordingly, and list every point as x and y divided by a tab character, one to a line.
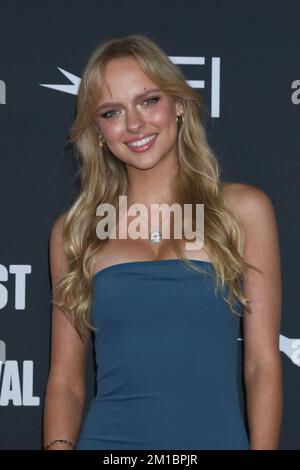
262	359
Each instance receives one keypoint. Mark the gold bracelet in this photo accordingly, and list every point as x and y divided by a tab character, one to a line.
60	441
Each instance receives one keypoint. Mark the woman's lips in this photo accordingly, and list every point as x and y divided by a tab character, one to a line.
142	148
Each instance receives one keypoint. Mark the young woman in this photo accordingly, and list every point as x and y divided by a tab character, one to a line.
164	317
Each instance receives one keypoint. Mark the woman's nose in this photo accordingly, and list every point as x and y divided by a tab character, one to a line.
134	121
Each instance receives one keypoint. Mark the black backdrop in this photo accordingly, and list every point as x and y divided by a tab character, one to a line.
247	68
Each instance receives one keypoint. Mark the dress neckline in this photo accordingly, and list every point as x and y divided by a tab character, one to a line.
117	266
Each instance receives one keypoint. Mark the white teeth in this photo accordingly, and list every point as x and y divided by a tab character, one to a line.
139	143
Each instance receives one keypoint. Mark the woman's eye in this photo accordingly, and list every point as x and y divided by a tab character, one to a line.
112	113
153	99
109	114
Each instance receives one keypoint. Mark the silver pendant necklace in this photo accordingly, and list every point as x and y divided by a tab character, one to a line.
155	235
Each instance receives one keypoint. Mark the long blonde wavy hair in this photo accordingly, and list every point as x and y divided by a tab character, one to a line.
103	179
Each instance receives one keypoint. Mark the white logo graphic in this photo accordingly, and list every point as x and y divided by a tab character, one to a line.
2	92
291	347
72	89
295	98
215	80
20	271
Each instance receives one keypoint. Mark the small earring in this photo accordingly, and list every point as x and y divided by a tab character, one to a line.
102	142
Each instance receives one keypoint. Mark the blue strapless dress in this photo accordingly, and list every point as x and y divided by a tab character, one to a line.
166	354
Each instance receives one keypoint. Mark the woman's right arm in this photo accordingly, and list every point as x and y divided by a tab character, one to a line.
65	393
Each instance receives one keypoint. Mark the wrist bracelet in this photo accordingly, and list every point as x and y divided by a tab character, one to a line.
60	441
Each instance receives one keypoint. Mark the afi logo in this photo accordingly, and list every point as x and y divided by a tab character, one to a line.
189	60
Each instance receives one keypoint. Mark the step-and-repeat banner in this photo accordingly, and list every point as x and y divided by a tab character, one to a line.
243	57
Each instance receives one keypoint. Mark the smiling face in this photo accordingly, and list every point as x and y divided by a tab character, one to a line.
131	108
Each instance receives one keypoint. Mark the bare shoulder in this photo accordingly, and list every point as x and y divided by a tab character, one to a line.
248	202
254	209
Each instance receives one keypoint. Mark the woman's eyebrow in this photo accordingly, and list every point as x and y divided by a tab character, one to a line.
137	97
